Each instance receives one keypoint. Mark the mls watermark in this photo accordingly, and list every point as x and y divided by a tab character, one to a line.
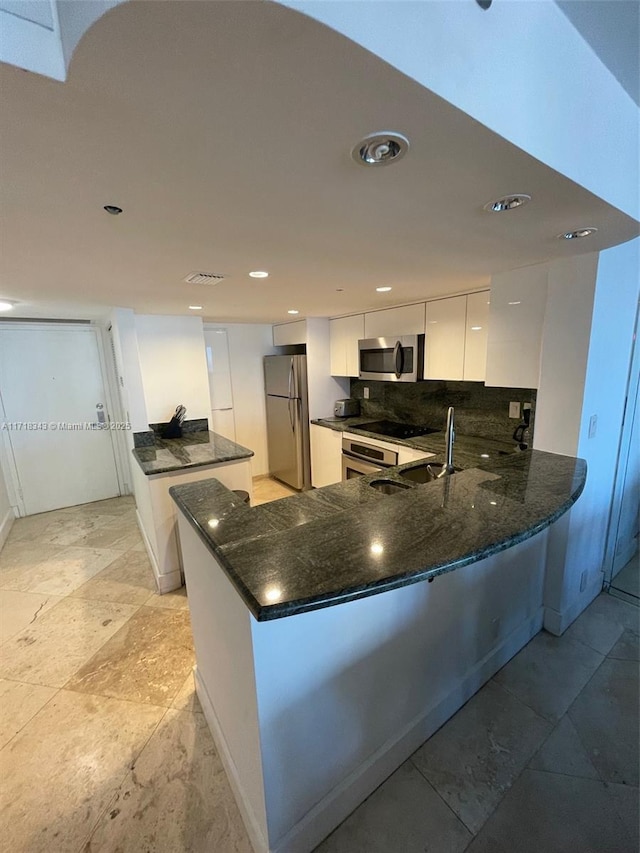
63	426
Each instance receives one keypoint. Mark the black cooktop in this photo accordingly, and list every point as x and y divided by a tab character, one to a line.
393	429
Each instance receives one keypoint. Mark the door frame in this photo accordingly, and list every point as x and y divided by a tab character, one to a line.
7	460
631	410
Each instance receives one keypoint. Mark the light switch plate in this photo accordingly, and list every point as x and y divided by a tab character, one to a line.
366	393
514	410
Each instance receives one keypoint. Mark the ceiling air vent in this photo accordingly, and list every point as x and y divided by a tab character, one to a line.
203	278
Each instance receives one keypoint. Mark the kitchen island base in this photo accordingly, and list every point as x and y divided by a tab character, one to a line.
310	713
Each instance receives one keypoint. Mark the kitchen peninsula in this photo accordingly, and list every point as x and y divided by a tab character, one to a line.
325	655
166	462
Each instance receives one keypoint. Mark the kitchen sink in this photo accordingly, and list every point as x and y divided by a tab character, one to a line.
421	473
388	487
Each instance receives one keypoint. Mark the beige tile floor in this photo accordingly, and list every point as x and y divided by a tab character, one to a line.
104	749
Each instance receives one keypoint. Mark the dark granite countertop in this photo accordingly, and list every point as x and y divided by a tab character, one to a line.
347	541
470	450
190	451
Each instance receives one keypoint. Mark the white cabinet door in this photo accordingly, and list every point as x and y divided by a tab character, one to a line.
287	334
326	456
475	342
411	454
405	320
345	332
516	318
444	343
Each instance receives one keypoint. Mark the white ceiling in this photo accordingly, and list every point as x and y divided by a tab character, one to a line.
224	131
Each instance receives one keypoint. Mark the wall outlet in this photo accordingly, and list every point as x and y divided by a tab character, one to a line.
593	426
365	392
514	410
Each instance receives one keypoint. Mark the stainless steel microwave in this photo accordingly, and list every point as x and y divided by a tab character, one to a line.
391	359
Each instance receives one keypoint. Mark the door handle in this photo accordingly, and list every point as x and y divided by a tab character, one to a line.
398	359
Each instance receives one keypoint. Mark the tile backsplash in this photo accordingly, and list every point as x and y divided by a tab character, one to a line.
480	410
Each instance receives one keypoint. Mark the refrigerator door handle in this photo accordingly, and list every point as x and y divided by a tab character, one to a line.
291	378
291	421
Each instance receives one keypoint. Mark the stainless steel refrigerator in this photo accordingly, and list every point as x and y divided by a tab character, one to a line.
285	382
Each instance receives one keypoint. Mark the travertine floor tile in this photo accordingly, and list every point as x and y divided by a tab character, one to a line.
606	718
477	755
596	629
129	578
19	555
187	699
616	611
148	659
18	704
267	489
548	673
32	526
110	506
626	801
404	814
61	640
18	610
60	573
171	600
175	799
555	814
627	647
563	752
113	536
61	771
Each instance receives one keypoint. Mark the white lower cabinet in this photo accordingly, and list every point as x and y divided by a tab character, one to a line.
410	454
326	456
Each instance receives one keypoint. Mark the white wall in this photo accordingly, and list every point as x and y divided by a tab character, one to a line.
125	345
587	345
6	511
173	366
248	344
552	97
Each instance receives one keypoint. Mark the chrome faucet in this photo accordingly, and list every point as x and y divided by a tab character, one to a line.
450	437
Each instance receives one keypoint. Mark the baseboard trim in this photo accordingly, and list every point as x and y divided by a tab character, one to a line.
164	583
256	836
556	622
338	804
6	525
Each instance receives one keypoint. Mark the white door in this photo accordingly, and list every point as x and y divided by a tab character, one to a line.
220	391
52	392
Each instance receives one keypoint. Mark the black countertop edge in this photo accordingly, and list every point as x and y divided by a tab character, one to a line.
193	450
346	593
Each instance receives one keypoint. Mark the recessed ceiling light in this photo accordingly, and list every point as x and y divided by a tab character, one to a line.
379	149
476	328
515	303
507	202
113	209
5	306
195	307
293	311
259	274
575	235
383	289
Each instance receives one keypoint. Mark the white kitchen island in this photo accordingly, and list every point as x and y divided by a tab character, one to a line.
320	669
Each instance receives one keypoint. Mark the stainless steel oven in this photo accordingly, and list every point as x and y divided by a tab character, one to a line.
359	458
391	359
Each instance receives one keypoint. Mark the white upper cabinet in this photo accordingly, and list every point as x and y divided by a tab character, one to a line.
444	343
390	322
516	318
286	334
476	335
345	332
